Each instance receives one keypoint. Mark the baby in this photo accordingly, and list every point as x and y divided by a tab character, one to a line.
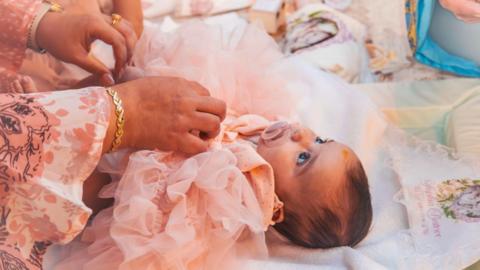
201	212
322	184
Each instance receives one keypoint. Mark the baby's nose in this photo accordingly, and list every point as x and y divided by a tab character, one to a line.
298	135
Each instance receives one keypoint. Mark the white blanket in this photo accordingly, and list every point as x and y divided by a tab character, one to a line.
336	110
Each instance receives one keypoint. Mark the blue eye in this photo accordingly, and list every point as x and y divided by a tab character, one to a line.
319	140
303	157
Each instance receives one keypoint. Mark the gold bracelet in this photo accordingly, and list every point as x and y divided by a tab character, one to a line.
46	6
120	113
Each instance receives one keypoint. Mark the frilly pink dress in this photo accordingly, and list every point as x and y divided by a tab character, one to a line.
209	211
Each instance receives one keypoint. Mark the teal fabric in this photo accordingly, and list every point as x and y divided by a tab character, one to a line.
430	53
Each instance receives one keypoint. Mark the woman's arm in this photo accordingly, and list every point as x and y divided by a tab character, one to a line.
49	144
17	17
132	11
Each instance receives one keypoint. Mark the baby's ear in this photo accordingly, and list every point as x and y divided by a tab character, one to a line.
278	211
278	216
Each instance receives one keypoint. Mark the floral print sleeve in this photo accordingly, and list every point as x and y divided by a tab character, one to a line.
15	19
49	144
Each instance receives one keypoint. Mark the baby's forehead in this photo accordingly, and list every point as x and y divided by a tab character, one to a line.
324	178
337	152
346	154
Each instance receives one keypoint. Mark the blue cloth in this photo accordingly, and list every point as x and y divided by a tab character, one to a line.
426	50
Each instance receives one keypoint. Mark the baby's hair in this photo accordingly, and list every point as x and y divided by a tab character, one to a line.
346	224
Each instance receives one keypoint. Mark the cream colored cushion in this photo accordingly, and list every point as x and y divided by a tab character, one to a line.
463	123
446	111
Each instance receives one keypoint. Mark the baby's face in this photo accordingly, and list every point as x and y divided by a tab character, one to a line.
305	165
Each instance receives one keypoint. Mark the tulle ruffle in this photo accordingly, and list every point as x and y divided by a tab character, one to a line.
236	67
172	213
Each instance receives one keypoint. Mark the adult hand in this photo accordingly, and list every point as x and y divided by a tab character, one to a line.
71	42
465	10
165	113
132	11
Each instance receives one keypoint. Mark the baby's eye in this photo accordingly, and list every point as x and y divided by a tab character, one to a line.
303	157
319	140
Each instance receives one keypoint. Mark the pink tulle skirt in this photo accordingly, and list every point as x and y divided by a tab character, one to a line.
238	68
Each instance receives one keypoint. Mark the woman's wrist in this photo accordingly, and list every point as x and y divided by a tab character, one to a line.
32	31
45	10
128	137
45	26
120	118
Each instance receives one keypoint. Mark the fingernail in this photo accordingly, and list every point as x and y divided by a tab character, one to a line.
108	80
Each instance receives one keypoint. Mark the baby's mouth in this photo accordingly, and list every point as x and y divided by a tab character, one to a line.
275	131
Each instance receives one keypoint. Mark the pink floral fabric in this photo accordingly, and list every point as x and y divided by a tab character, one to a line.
16	17
49	144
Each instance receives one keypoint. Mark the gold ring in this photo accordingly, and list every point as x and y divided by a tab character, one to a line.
116	18
54	6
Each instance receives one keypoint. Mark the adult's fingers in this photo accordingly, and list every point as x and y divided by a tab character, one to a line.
200	90
8	88
28	84
213	106
17	87
109	35
125	28
104	80
89	62
207	124
190	144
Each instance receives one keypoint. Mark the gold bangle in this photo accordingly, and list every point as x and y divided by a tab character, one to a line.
46	6
120	113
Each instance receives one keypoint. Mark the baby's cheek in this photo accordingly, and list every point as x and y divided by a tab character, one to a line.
276	160
279	157
263	151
